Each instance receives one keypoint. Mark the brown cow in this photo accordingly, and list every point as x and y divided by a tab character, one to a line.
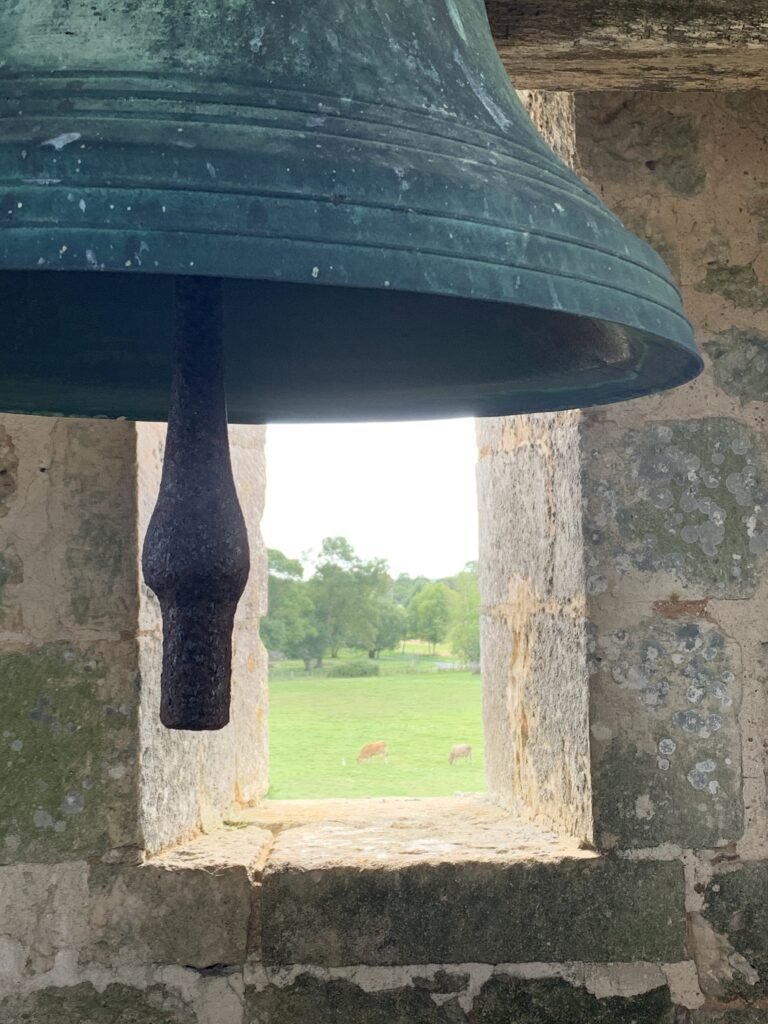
373	750
460	750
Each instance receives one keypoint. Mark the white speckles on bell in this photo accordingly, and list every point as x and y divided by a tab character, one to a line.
315	272
256	41
479	89
458	24
81	205
60	141
211	170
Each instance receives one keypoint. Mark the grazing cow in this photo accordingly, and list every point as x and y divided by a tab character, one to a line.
460	750
373	750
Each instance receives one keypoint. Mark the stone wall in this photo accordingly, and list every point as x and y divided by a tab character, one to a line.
87	773
661	521
624	586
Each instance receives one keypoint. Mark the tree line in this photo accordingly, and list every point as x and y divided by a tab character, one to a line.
351	603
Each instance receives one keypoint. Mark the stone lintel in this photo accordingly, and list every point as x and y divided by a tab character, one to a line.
597	45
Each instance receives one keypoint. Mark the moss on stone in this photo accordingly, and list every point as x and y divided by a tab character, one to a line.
641	806
505	1000
636	140
84	1004
688	498
738	284
740	363
600	909
68	782
738	1015
672	776
312	1001
736	905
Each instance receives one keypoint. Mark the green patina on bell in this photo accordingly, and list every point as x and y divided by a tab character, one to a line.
297	210
394	237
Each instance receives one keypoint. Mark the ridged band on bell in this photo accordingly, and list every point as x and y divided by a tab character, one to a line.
286	148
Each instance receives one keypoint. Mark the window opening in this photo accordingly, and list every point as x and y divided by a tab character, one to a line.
373	627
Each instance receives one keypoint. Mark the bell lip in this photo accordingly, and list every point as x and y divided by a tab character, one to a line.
659	363
291	260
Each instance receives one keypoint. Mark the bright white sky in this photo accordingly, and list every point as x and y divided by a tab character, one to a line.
400	491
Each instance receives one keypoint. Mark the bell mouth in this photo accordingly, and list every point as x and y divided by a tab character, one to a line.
99	344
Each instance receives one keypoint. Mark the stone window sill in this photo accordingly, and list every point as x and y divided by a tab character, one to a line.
408	881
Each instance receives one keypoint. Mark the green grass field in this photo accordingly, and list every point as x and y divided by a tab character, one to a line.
318	725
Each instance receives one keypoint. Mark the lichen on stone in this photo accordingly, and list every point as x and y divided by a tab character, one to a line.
740	363
688	498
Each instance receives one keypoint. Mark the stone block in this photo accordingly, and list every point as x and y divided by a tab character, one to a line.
191	906
550	1001
688	499
333	1001
383	896
85	1004
736	907
500	1000
665	739
68	751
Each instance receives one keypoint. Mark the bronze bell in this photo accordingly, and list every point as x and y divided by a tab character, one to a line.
322	211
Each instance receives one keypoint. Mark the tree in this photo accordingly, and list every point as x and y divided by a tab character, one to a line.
291	625
429	612
405	587
344	588
389	621
464	632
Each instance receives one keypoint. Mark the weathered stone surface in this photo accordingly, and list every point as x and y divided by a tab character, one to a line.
738	283
44	919
84	1004
665	738
739	1015
640	140
740	363
535	713
502	1000
88	770
480	912
331	1002
68	749
533	623
598	45
736	906
191	906
687	498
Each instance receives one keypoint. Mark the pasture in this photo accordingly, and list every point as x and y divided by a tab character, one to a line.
317	726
